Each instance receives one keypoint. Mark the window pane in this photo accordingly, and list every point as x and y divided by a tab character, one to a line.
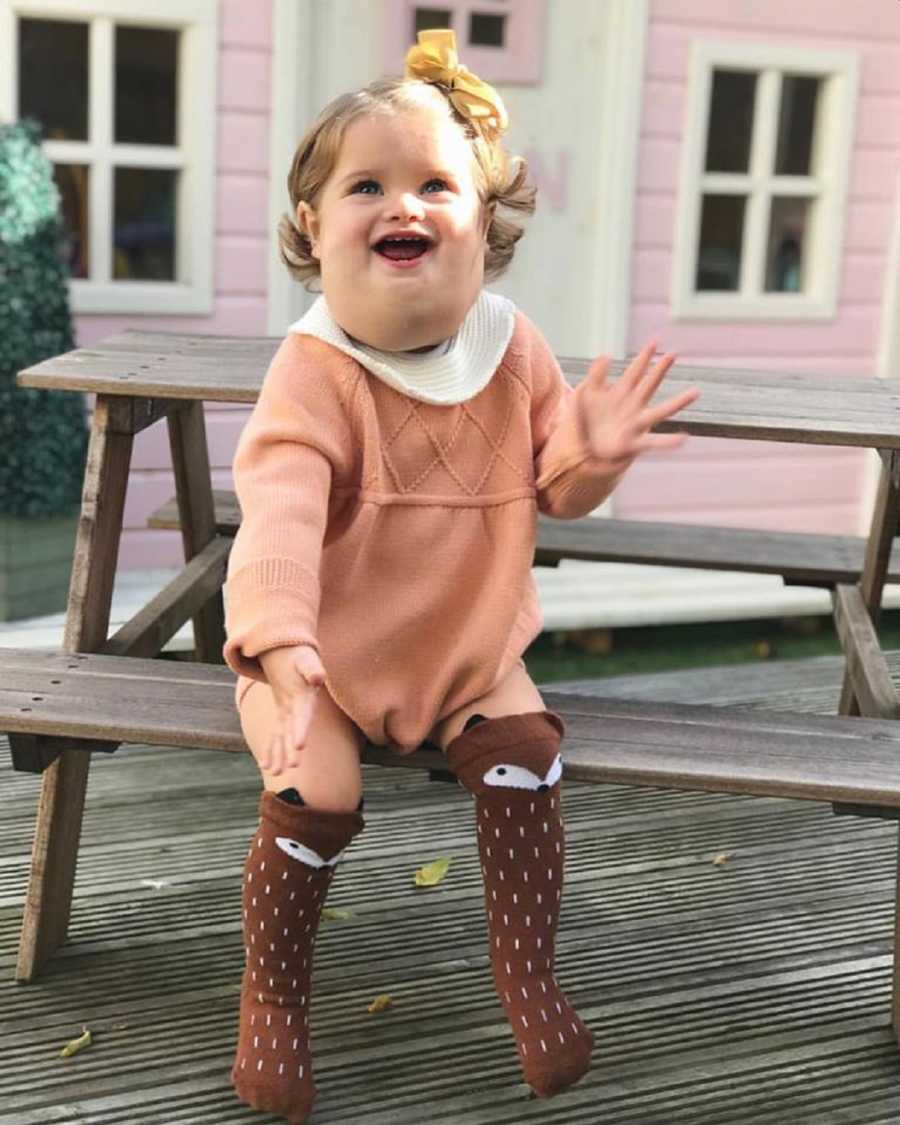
144	230
721	235
72	181
786	253
426	18
146	81
730	121
796	123
487	30
53	77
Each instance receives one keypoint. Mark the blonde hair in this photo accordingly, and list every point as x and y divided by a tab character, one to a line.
502	179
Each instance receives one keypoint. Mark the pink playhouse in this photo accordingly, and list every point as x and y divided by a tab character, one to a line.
722	177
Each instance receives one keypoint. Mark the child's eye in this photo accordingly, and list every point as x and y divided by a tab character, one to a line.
366	187
436	185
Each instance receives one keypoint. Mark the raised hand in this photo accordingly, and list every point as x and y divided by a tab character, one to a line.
615	420
295	675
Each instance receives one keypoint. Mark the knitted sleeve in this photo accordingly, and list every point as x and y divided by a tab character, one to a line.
295	446
570	482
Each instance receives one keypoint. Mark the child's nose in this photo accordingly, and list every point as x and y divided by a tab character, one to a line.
405	207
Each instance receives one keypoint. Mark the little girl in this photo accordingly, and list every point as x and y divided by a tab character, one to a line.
409	428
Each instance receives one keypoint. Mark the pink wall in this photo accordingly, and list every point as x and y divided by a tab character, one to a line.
765	485
241	256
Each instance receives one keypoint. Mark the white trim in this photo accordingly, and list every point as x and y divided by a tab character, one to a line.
193	153
826	186
623	31
887	364
290	111
159	13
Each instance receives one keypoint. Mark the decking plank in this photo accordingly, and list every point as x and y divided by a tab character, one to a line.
754	992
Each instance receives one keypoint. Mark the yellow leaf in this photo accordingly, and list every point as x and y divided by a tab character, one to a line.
75	1045
721	859
432	873
336	914
380	1004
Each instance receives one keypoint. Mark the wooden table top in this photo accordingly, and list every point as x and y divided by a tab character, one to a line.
749	404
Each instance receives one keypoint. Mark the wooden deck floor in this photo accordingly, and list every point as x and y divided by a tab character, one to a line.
750	992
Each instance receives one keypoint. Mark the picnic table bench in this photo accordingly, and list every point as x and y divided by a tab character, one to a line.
101	691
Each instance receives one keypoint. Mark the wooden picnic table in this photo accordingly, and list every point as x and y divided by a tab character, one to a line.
141	377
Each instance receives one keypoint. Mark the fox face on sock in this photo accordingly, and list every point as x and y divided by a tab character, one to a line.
529	765
509	776
303	854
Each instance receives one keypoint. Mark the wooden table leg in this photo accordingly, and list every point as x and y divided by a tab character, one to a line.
58	828
878	553
190	460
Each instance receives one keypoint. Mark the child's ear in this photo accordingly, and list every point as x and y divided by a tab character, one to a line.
308	222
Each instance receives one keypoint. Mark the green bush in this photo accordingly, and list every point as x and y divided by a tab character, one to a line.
43	434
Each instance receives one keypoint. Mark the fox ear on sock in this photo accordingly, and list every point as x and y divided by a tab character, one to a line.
512	766
292	797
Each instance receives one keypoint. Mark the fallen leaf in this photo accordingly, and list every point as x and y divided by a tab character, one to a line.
432	873
336	914
722	858
380	1004
76	1045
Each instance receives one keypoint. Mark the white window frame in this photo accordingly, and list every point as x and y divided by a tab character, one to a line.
193	154
828	189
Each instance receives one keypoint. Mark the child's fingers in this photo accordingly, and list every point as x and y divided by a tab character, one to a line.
274	765
651	382
634	372
309	666
299	726
661	443
653	415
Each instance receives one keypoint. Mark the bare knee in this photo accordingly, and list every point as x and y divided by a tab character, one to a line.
328	776
515	694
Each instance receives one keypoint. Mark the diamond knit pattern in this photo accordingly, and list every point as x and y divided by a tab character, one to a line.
461	450
287	873
512	766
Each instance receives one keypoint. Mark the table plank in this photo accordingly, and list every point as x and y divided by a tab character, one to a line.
750	404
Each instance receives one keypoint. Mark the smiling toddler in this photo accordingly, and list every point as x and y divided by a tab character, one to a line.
408	431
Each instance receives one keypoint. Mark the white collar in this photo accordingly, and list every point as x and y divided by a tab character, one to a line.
444	376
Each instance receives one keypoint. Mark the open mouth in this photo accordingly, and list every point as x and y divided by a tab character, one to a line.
404	249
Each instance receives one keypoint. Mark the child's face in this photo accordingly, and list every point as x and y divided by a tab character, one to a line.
399	230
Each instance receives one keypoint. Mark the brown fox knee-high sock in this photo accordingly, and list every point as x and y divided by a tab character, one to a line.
512	766
288	870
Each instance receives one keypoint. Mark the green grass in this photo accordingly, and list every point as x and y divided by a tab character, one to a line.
667	648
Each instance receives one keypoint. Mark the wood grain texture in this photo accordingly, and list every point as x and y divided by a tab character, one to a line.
200	581
867	668
639	743
883	529
756	405
755	991
58	826
190	461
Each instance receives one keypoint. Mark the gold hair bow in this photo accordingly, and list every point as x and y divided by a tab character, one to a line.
435	60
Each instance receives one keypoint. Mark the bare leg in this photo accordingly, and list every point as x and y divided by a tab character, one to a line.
329	775
515	694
